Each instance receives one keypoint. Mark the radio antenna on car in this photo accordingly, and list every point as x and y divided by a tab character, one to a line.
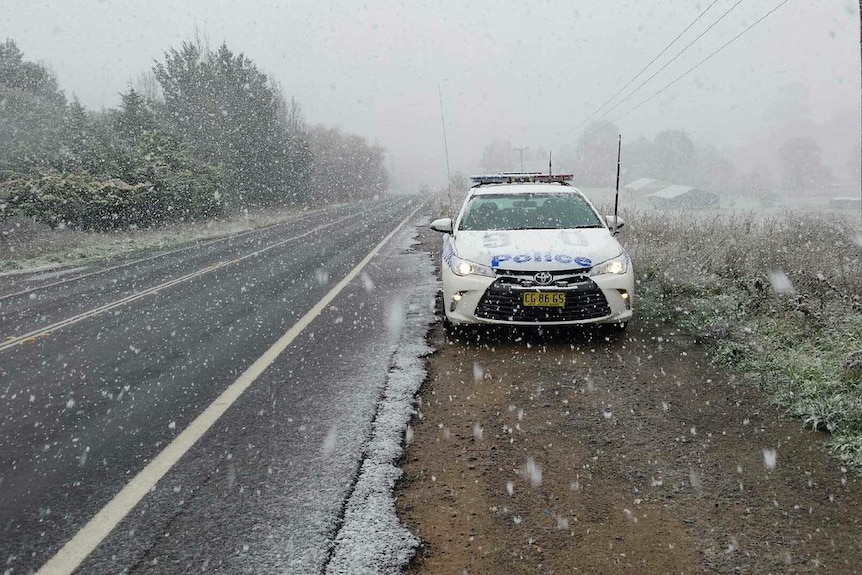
617	196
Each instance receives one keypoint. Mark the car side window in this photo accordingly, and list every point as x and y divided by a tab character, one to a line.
481	214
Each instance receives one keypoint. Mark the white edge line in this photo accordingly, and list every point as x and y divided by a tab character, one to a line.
199	243
18	340
73	553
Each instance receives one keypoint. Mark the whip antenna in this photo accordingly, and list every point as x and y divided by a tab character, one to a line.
617	196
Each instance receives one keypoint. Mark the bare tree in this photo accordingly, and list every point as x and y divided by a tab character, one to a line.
148	86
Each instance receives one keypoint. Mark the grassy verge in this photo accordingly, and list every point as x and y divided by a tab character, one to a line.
779	299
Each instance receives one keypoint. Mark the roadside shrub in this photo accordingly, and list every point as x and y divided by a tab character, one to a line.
779	299
81	201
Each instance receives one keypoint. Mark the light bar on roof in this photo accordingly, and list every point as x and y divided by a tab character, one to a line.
521	178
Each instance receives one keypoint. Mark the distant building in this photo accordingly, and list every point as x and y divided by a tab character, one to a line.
847	202
645	186
676	196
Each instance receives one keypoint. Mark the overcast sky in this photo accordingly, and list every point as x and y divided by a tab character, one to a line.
528	72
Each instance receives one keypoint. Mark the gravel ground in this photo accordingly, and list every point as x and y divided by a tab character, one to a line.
594	451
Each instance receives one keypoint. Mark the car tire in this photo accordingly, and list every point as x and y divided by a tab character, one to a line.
447	323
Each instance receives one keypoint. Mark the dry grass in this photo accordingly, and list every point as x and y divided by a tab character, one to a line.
779	298
820	256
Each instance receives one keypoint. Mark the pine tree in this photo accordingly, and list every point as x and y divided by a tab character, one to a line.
31	114
232	115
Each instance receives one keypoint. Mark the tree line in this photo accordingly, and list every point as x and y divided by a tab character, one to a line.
210	134
671	156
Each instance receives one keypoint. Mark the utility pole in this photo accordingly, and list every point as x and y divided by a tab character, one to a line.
860	159
446	146
521	150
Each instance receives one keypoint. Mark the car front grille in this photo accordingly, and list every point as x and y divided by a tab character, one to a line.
558	274
584	301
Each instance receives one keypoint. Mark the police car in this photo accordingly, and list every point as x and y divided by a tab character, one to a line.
530	249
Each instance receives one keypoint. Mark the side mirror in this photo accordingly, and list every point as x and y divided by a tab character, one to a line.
443	225
609	220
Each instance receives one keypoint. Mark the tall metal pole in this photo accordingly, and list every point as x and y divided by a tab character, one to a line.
521	150
445	144
860	159
617	196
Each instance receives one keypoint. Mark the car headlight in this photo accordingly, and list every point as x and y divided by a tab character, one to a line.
617	265
462	267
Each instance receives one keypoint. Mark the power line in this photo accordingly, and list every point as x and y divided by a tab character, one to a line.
642	70
693	68
669	62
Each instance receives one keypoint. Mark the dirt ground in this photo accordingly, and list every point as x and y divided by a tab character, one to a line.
603	452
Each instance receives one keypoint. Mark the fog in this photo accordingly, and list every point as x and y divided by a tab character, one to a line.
528	73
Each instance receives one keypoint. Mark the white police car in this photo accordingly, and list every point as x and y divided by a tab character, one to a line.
530	249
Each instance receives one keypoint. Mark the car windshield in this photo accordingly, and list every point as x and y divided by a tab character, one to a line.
527	212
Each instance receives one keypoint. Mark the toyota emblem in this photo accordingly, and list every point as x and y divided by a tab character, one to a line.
543	278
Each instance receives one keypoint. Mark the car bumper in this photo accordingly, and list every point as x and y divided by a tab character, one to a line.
471	300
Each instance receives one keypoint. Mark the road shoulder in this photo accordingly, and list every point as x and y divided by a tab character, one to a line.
593	453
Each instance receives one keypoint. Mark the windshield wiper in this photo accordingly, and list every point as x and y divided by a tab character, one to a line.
521	228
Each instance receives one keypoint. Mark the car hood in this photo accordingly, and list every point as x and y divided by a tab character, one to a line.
537	249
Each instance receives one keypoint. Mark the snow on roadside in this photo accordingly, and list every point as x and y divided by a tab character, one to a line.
56	249
371	540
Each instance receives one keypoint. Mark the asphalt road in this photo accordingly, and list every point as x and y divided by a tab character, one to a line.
100	371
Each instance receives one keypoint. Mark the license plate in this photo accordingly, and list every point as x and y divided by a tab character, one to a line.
544	299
